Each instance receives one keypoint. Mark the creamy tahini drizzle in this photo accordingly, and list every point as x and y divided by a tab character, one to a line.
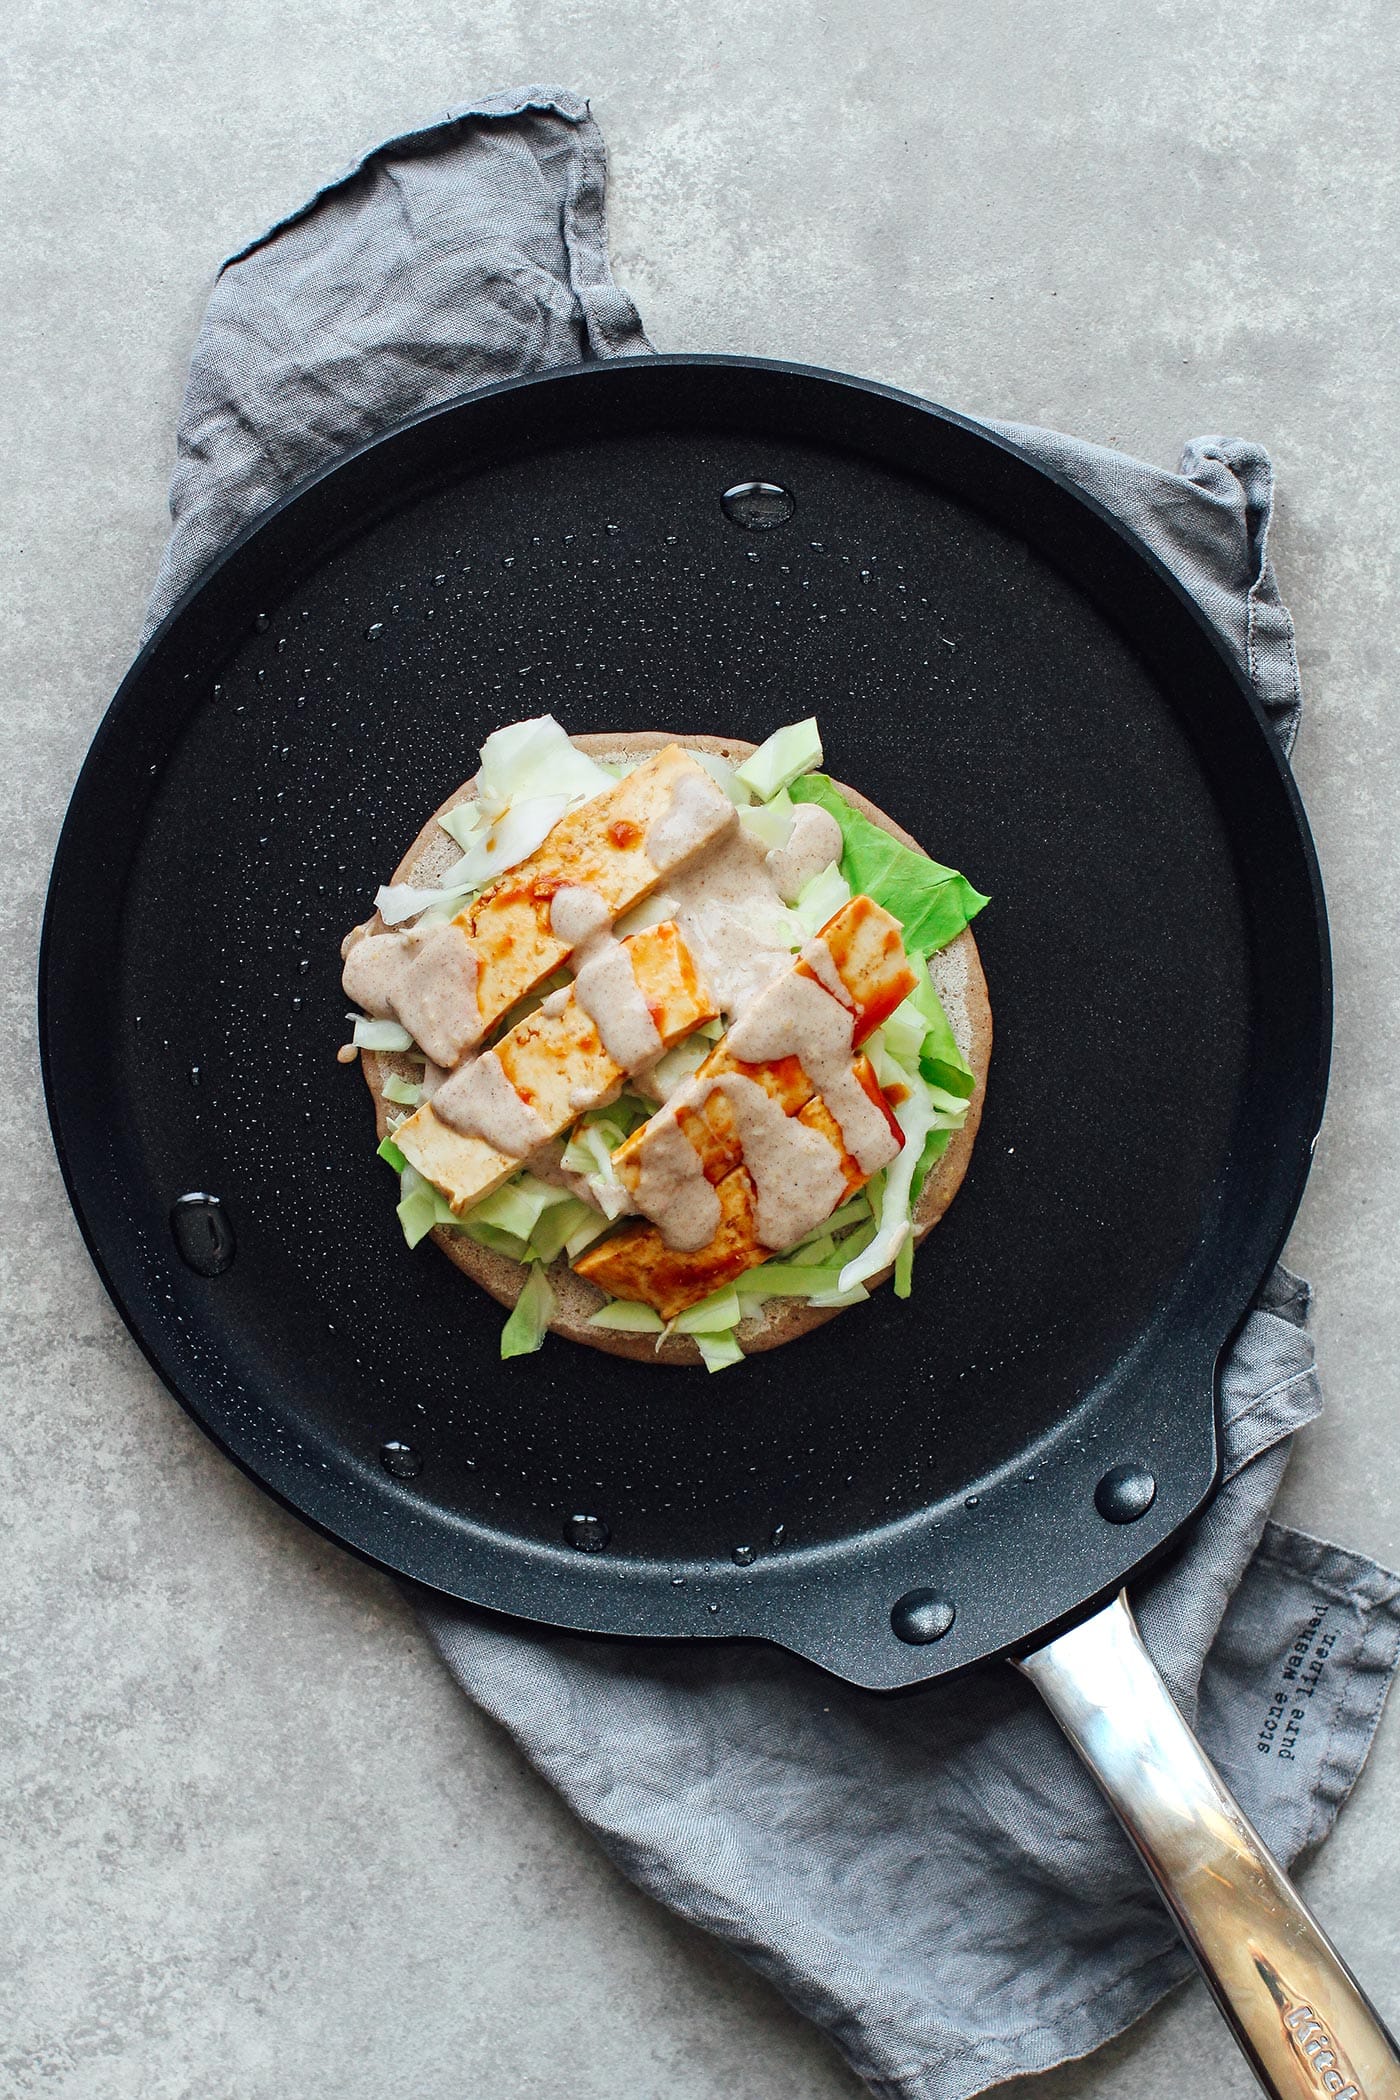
797	1017
814	842
479	1100
605	985
796	1172
820	961
697	812
732	919
576	911
424	979
672	1189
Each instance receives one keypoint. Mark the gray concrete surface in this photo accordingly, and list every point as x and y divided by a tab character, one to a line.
255	1843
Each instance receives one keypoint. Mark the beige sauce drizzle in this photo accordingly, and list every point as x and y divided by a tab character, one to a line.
821	963
604	983
480	1101
578	911
609	994
672	1190
796	1172
797	1018
814	842
732	920
697	813
425	979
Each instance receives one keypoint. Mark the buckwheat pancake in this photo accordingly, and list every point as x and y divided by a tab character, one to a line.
957	976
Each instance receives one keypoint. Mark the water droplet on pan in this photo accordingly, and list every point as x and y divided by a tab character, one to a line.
202	1233
777	1535
400	1459
587	1534
758	505
375	627
743	1556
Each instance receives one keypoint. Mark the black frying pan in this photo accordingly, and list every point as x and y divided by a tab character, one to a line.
1003	669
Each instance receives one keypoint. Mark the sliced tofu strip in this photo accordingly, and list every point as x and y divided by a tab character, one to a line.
858	959
556	1064
713	1132
636	1263
620	845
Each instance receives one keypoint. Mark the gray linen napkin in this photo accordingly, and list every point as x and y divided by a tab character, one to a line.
930	1877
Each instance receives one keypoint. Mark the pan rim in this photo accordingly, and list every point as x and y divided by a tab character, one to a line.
915	1665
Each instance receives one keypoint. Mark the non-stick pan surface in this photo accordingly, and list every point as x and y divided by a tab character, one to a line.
1005	672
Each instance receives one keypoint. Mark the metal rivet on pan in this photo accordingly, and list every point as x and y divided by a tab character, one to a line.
202	1234
921	1616
588	1534
400	1459
758	505
1125	1493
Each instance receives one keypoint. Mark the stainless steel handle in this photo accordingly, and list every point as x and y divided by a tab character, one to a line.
1297	2012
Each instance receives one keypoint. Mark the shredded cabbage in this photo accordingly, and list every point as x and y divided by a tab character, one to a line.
594	1139
379	1035
652	911
585	1233
530	774
724	775
556	1225
511	838
778	762
404	1091
528	1325
916	1116
719	1350
771	822
678	1063
720	1309
821	899
624	1317
464	822
499	1242
421	1206
941	1062
534	759
517	1205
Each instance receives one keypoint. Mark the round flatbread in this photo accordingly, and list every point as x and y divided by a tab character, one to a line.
957	976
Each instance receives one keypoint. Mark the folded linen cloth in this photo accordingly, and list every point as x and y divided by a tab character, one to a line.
931	1876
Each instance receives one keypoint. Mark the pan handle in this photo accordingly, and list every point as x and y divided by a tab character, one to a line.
1296	2010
